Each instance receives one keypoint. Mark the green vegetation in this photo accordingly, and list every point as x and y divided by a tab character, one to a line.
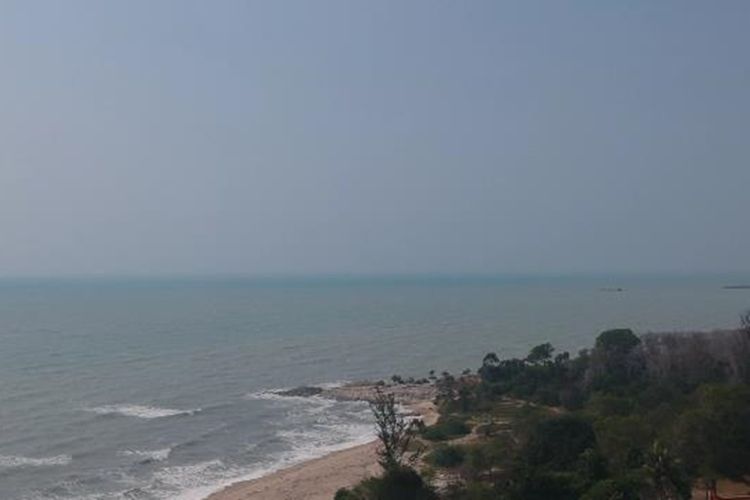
395	454
446	428
632	418
446	456
400	483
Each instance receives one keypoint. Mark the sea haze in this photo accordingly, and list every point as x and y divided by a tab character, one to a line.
162	388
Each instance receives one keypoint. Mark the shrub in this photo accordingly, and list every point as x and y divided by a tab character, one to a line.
623	488
345	494
446	428
624	440
446	456
536	485
558	442
403	483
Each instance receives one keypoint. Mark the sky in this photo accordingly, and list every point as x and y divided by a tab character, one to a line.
373	137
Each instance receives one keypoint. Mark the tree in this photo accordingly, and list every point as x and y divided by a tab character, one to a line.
623	440
557	443
490	359
540	353
446	387
713	439
666	476
394	432
614	361
619	339
745	321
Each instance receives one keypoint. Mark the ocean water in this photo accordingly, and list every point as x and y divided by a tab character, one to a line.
151	389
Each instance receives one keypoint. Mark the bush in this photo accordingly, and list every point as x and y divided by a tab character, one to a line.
446	456
472	490
446	428
624	488
536	485
558	442
624	440
403	483
713	439
345	494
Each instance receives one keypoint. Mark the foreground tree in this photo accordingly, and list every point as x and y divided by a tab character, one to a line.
395	432
399	480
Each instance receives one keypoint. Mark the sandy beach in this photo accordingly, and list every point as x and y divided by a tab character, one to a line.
317	479
320	478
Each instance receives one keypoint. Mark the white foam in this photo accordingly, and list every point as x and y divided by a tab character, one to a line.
275	394
199	481
317	433
157	455
15	461
333	385
271	395
140	411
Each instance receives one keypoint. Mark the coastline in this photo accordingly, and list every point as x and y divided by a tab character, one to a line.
320	478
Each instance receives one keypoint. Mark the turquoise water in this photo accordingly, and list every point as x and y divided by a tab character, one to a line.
143	389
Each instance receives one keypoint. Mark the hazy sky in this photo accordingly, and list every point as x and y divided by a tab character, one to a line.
374	137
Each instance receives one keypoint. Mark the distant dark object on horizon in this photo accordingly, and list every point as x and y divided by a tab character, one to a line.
736	287
610	289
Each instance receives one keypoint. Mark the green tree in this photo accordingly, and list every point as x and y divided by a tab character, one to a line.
541	353
666	476
613	364
624	440
617	340
556	443
713	439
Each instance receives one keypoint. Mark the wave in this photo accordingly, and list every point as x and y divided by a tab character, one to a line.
316	427
16	461
197	482
147	455
278	393
140	411
308	428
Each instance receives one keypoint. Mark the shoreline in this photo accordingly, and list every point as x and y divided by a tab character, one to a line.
319	478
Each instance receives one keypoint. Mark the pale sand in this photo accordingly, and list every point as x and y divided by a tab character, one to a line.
318	479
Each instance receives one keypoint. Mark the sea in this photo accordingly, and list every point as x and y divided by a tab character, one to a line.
136	388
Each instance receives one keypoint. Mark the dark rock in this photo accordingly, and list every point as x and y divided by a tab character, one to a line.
302	391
